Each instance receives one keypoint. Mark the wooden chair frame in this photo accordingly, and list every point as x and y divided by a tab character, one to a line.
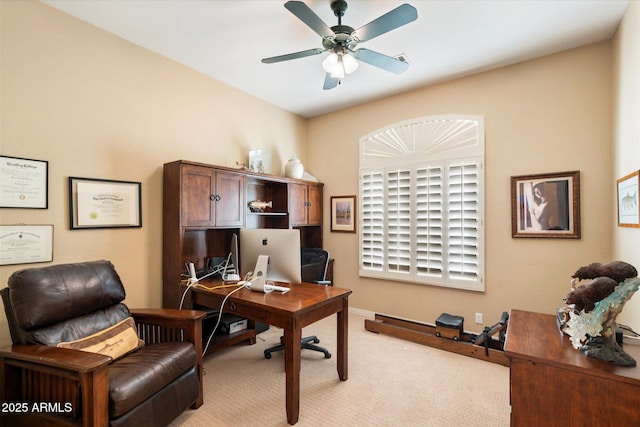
70	387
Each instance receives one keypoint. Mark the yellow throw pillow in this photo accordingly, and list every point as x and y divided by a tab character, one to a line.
115	341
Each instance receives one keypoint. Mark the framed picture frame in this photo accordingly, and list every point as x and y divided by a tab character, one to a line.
24	183
628	209
343	214
260	161
103	203
546	205
26	244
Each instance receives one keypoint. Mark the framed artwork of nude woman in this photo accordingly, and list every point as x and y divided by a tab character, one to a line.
546	205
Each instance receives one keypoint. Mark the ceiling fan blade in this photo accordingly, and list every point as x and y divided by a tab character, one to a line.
398	17
289	56
308	16
330	82
381	61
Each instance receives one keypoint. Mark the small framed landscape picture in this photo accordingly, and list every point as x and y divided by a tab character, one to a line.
546	205
343	213
628	209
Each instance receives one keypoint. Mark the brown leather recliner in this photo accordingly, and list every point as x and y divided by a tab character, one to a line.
150	385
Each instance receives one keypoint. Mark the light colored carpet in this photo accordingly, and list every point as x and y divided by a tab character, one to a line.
391	382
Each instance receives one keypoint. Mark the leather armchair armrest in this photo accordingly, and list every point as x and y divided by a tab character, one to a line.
157	325
76	378
54	357
167	313
166	323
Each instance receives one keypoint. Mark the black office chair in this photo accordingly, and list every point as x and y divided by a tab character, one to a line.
314	264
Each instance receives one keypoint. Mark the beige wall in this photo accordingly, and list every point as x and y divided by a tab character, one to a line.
552	114
96	106
626	138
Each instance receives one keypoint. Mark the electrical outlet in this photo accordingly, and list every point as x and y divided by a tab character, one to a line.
479	318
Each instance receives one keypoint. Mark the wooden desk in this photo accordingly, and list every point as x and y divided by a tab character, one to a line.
553	384
303	305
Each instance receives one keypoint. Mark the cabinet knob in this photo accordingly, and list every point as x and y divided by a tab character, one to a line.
214	198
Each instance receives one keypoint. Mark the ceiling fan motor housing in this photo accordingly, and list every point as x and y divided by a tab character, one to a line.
339	7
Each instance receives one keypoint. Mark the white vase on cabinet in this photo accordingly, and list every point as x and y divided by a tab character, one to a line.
294	168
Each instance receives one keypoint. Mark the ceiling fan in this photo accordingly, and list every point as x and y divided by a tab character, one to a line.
343	40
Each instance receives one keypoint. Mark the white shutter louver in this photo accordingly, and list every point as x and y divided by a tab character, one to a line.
399	221
372	221
428	222
464	221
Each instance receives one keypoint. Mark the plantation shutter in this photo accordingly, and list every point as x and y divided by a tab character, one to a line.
372	221
421	202
464	221
399	221
429	221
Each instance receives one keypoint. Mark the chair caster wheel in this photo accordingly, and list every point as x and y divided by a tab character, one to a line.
316	341
267	355
327	355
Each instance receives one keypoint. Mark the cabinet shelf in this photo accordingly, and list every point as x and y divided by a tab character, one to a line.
268	213
220	342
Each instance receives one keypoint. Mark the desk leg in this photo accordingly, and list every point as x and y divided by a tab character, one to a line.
292	337
343	341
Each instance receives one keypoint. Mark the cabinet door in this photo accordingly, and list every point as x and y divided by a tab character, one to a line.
229	205
297	204
314	205
198	195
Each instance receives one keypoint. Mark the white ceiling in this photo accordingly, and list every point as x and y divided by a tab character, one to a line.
226	39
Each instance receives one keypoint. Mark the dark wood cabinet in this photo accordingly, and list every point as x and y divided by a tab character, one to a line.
212	198
305	201
553	384
204	205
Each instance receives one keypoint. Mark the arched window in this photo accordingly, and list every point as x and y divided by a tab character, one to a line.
421	202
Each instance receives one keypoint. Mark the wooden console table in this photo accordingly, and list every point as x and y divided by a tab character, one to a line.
553	384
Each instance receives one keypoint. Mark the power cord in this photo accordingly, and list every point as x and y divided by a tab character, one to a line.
191	284
213	331
198	285
630	339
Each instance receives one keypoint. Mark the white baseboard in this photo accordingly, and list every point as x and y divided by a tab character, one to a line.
361	312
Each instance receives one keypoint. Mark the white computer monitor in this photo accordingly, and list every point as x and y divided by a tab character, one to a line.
281	245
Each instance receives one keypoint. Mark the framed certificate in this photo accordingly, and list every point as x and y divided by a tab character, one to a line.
25	244
102	203
24	183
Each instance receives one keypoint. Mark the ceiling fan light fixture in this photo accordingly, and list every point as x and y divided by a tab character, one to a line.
350	63
338	71
340	63
330	63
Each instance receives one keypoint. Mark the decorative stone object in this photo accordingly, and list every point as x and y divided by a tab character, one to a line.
294	168
589	318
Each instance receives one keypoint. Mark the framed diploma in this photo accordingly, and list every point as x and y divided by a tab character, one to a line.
24	183
25	244
102	203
